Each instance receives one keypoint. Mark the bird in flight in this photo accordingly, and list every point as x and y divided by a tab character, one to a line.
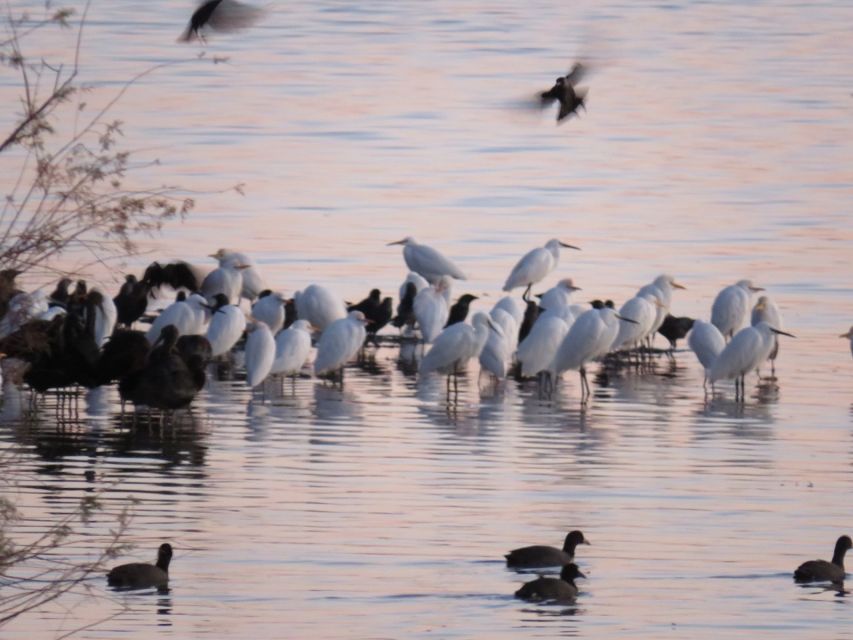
570	97
220	15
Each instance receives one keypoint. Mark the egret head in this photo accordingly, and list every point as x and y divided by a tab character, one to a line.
408	240
568	284
849	334
747	284
358	316
220	254
554	245
665	280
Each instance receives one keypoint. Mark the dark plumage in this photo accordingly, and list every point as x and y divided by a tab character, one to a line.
562	589
565	92
178	275
125	352
823	571
543	556
189	346
674	329
8	288
220	15
405	309
59	297
531	313
459	309
131	301
141	575
378	311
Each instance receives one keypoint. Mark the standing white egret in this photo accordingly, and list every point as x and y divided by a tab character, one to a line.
260	353
662	287
535	265
426	261
495	354
706	341
292	347
106	315
456	345
227	323
188	316
269	308
252	284
416	279
319	306
849	336
642	309
509	328
766	310
339	343
226	279
508	304
431	308
536	351
558	296
744	353
731	307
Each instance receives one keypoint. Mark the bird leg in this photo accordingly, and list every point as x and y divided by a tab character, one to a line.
526	295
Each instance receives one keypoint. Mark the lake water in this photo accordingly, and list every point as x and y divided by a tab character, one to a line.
718	144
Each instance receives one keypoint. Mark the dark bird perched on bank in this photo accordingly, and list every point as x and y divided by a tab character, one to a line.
539	555
142	575
59	297
562	589
565	92
531	313
823	571
131	301
377	310
459	309
405	309
675	328
220	15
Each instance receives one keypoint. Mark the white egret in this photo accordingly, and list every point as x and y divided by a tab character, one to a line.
589	338
105	316
744	353
642	309
187	316
431	309
252	284
226	279
535	265
559	296
339	343
706	341
269	308
427	262
731	307
319	306
536	351
260	353
766	310
662	287
292	347
416	279
508	304
849	336
227	323
509	327
456	345
495	354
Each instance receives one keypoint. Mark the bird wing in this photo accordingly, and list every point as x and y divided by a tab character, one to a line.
292	347
533	266
740	356
231	15
431	312
580	342
430	263
729	309
706	341
577	73
260	354
448	346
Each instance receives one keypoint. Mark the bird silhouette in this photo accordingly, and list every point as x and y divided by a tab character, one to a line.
220	15
564	91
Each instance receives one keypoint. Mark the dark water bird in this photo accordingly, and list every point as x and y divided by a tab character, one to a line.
531	313
539	556
166	382
59	296
562	589
131	301
289	312
376	309
189	346
405	309
178	275
675	328
823	571
220	15
142	575
565	91
459	309
8	288
125	352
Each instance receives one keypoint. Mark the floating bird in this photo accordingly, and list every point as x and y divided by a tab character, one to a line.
823	571
849	336
675	328
292	347
220	15
431	308
427	262
141	575
535	265
731	307
744	353
706	341
227	324
540	556
319	306
564	91
260	353
339	343
562	589
270	308
459	309
766	310
456	345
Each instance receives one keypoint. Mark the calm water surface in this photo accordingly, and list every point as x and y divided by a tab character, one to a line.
718	145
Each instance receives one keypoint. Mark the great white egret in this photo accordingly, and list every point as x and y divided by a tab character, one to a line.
427	262
226	279
535	265
495	354
766	310
339	343
731	307
642	309
536	351
106	315
744	353
260	353
509	327
227	323
706	341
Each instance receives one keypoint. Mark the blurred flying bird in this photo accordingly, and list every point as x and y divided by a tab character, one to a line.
220	15
565	93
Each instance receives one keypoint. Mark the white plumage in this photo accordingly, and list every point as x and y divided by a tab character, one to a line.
188	316
292	347
706	341
495	354
589	338
431	308
744	353
260	353
226	279
427	262
270	310
536	351
662	287
535	265
509	328
508	304
252	283
456	345
227	324
731	307
319	306
106	315
340	342
642	309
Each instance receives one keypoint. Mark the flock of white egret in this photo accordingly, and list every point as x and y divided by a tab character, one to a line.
533	340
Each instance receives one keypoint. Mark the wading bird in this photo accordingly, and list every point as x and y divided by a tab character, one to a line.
731	307
535	265
426	261
339	343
